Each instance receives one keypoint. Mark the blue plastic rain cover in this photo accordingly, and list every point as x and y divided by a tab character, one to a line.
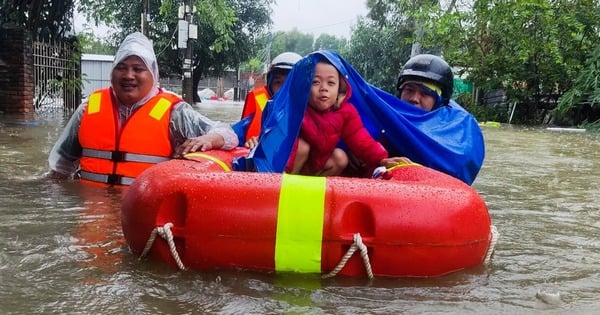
447	139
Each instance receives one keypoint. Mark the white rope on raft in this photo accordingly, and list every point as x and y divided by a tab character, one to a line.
358	244
492	247
164	232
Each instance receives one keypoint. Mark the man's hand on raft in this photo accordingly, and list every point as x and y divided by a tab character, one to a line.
393	161
201	143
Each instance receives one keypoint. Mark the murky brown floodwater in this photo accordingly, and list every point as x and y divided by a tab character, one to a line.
62	250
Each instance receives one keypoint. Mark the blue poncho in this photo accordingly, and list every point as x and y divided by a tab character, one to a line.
447	139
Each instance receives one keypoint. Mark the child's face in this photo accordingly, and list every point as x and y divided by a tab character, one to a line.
325	87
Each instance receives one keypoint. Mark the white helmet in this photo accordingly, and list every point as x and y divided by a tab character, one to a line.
285	61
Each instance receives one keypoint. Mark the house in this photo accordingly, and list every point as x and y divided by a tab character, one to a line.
95	71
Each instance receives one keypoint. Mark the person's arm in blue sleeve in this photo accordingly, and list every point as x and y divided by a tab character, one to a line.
241	127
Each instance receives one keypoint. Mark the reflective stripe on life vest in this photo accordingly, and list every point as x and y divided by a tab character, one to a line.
109	179
300	224
261	96
118	156
94	103
261	99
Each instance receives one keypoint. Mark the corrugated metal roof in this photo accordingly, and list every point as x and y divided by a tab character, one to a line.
95	57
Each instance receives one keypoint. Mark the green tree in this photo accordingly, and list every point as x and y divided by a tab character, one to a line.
44	19
92	45
294	41
584	95
270	45
330	42
382	41
301	43
378	53
530	48
227	30
249	27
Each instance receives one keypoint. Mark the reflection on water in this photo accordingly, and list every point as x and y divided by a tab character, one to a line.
224	111
541	188
62	249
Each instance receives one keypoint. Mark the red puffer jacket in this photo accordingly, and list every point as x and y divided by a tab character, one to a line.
324	130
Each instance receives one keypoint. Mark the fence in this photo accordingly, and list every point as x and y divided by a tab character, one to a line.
56	76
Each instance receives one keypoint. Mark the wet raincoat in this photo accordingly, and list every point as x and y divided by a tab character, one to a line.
184	121
447	139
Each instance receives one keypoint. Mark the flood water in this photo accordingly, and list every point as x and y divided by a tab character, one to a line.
62	249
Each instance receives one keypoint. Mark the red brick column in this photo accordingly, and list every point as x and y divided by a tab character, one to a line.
16	72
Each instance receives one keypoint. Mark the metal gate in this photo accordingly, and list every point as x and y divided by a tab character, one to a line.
56	75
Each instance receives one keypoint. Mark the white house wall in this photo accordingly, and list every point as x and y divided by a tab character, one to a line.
95	70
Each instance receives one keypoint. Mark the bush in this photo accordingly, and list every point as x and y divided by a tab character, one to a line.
482	113
591	127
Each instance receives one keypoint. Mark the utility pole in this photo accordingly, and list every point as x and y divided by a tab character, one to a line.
269	44
145	18
416	46
187	32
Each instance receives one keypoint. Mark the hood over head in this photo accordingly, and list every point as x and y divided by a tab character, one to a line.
136	44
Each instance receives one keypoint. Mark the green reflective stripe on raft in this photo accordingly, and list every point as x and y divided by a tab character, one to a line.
300	224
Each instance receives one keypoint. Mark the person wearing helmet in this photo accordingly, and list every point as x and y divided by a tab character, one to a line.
279	69
426	81
248	128
447	139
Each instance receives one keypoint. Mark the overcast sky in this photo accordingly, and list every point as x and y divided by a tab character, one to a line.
333	17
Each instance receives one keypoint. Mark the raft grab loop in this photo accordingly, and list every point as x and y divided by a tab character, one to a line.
492	246
164	232
358	244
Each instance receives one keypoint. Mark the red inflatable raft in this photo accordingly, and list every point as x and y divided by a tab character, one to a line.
197	214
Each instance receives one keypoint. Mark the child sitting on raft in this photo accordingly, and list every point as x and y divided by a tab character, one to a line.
330	118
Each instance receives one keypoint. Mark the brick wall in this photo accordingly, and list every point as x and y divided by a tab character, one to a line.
16	72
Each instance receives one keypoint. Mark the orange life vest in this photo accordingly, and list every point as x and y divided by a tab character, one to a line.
255	103
115	155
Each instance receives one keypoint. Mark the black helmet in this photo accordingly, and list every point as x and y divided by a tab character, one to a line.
428	68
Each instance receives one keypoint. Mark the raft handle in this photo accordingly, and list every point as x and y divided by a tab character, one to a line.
491	248
358	244
164	232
